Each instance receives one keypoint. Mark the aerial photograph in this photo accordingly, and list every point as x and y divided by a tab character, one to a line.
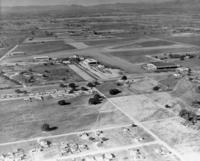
99	80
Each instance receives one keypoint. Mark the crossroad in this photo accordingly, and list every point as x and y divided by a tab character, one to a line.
145	128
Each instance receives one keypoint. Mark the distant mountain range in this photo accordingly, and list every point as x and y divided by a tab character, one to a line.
71	2
139	6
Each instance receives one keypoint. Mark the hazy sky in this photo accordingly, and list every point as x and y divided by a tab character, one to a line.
66	2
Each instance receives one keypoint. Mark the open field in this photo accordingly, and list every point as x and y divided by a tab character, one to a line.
166	129
139	56
148	42
41	40
143	107
41	48
193	39
152	43
22	120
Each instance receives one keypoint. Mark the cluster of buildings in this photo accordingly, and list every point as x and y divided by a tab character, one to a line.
18	155
98	139
161	66
72	148
101	157
54	93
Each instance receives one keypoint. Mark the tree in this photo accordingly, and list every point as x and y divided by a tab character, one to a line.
96	99
91	85
124	77
156	88
63	102
45	127
98	96
72	85
114	91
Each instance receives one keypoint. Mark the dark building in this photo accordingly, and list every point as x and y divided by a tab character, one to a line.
165	66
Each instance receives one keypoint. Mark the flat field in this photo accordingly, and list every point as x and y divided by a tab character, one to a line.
152	43
142	107
22	120
41	48
166	129
193	39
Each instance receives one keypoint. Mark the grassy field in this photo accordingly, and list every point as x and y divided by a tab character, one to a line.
23	120
138	56
40	48
110	41
154	43
142	107
194	39
166	129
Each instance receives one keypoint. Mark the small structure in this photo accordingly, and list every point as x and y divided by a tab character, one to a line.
42	58
183	70
149	67
90	61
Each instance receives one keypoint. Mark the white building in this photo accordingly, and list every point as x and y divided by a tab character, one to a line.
90	61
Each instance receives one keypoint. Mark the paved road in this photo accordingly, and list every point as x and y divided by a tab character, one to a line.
9	52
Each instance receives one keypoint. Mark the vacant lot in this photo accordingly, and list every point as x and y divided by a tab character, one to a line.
193	39
45	47
142	107
152	43
173	131
22	120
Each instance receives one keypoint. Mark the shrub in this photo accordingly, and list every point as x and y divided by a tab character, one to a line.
156	88
114	91
84	89
21	91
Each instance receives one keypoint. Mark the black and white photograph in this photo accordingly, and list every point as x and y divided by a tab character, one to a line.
99	80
